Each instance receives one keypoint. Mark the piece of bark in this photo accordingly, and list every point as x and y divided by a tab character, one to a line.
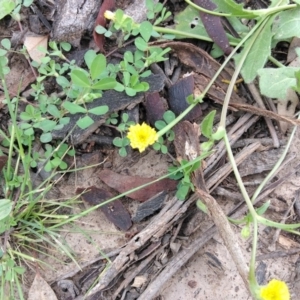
204	68
155	107
178	93
73	18
114	211
149	207
124	183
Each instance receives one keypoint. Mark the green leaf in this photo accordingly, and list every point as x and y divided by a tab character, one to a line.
122	152
65	46
141	44
80	78
73	108
274	83
130	92
100	29
46	137
202	206
287	25
6	44
125	117
156	146
53	110
182	191
46	125
189	21
128	56
169	116
207	124
258	54
27	3
5	208
105	84
235	9
164	149
245	232
89	56
85	122
98	66
160	124
63	81
99	110
2	52
219	134
261	210
146	30
118	142
6	7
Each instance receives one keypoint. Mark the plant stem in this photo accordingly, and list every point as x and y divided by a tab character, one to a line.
276	62
184	34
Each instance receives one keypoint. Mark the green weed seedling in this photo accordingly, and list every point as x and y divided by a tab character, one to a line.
122	142
168	117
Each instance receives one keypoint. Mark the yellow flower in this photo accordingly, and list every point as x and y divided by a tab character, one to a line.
141	136
109	15
275	290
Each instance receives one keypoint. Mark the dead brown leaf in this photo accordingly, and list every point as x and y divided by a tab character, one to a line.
40	290
32	43
124	183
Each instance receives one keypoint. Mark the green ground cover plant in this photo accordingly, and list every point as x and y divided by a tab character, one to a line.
23	210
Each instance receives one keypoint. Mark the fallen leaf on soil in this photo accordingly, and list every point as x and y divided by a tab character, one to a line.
178	93
32	43
40	290
213	25
155	107
99	38
124	183
204	68
115	212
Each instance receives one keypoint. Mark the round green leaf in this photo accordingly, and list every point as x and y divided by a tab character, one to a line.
118	142
146	30
5	208
130	92
2	52
46	137
169	116
65	46
141	44
122	152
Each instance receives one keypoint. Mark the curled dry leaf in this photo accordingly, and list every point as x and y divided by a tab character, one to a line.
213	26
115	212
99	38
40	290
32	43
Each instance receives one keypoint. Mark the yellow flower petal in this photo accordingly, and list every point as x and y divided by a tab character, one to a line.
275	290
141	136
109	15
